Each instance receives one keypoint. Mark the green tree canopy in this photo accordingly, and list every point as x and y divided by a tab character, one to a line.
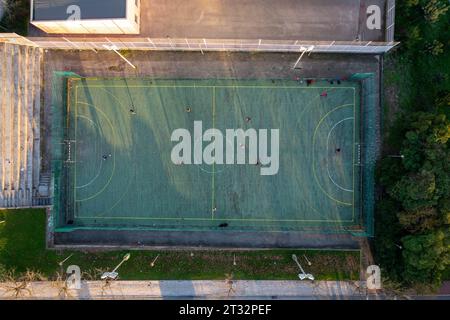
416	190
426	256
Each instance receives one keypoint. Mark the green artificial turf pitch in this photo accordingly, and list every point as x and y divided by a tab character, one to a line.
137	184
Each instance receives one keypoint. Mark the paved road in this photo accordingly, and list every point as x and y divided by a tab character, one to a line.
196	290
170	289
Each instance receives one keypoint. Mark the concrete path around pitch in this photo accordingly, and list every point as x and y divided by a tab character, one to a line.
185	289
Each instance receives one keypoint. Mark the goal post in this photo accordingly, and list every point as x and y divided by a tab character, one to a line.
63	148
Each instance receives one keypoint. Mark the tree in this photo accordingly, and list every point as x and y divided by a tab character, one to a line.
434	9
426	257
426	139
443	101
420	220
415	210
444	210
15	19
436	48
388	232
416	191
389	170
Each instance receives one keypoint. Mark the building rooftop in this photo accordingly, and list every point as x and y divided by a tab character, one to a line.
51	10
341	20
317	20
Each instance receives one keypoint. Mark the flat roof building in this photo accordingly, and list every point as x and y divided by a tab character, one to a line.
358	26
86	16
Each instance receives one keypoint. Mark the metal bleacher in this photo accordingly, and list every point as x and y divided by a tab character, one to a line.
20	74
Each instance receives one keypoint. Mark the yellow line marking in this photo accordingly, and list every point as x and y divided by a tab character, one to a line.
68	102
75	153
199	86
219	86
208	219
213	200
353	160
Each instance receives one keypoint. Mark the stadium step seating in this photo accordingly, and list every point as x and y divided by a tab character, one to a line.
20	68
44	184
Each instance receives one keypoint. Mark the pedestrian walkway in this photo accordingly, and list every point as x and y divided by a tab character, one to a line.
335	290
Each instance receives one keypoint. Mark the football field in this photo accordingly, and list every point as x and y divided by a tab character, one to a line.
121	173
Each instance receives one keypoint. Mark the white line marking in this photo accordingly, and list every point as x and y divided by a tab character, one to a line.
96	148
328	169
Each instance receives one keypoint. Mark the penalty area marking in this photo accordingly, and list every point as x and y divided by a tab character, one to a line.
96	148
113	153
328	168
314	158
